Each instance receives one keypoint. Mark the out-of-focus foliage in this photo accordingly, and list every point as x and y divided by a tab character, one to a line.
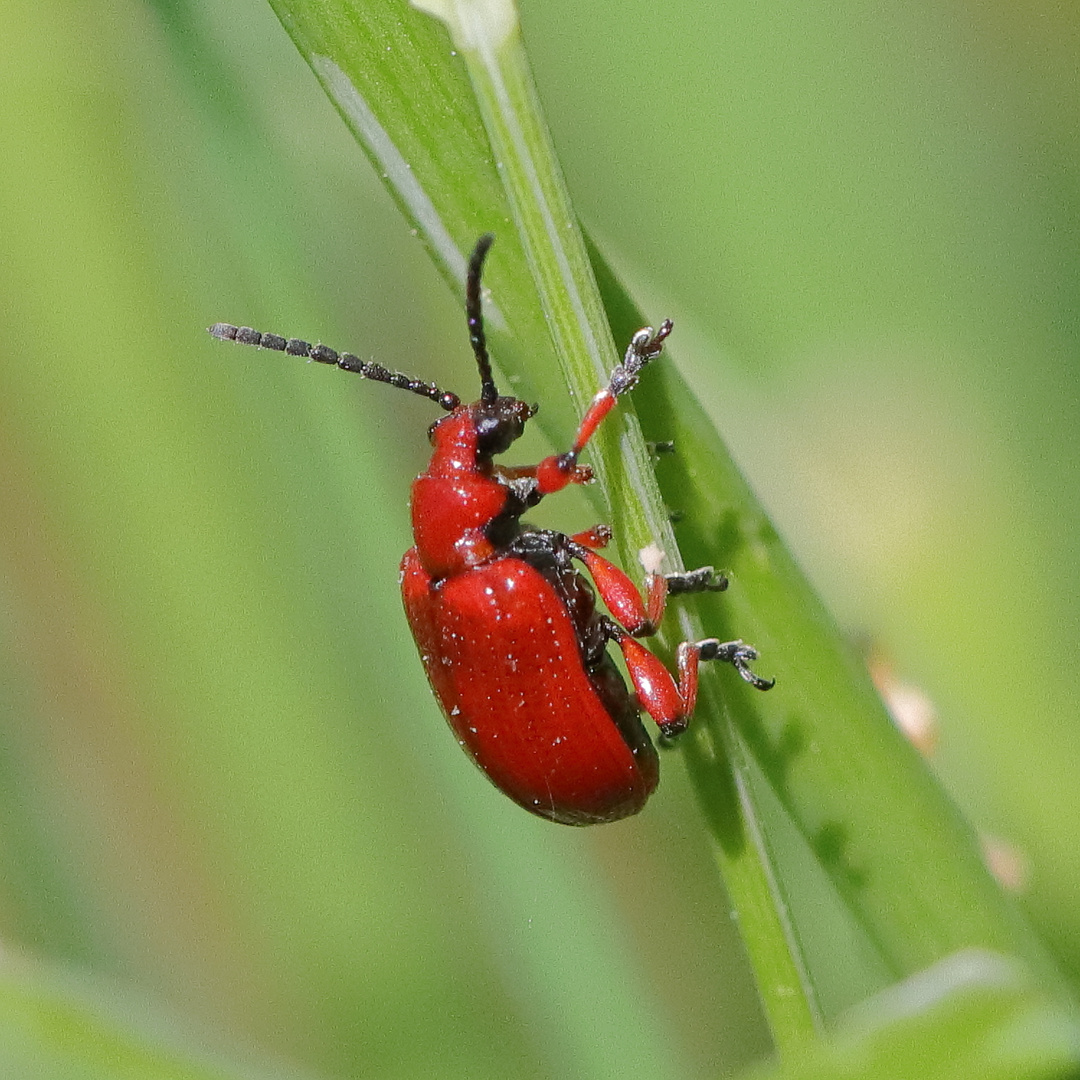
221	774
970	1016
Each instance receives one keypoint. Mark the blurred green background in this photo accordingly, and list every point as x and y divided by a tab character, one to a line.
222	778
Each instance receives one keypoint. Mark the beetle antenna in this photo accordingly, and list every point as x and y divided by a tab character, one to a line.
474	314
323	354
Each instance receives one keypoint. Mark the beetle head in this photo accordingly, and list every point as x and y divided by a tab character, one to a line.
499	423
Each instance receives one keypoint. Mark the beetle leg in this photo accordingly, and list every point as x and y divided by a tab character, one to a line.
579	474
555	472
639	617
671	703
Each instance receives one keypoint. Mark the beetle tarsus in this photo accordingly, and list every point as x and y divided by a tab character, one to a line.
669	733
704	579
644	346
739	655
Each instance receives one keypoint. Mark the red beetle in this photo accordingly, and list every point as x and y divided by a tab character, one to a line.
507	627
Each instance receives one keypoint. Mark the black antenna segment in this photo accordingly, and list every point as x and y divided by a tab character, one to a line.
323	354
474	314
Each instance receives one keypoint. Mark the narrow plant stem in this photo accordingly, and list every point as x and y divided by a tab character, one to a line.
745	860
783	980
498	68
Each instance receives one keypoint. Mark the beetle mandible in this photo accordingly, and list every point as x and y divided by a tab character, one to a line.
507	627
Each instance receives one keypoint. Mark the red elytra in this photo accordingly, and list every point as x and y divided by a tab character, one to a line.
508	630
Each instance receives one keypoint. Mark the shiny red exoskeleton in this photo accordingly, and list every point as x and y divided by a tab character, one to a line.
507	627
